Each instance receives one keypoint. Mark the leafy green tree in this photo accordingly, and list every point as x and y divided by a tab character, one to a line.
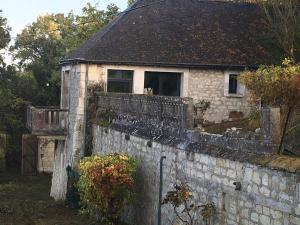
130	2
282	19
4	33
12	103
277	86
50	38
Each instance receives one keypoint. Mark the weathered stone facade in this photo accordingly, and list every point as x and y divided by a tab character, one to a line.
267	196
200	84
211	85
70	151
46	147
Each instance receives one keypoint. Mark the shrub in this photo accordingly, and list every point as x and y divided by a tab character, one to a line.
106	185
275	85
187	211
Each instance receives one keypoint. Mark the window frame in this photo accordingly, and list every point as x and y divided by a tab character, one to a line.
240	87
120	80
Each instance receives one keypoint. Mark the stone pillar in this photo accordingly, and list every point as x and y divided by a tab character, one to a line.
271	124
190	114
276	129
138	81
59	177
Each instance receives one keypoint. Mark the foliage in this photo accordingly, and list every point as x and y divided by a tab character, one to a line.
92	88
282	18
254	120
200	108
4	34
182	199
37	50
2	161
130	2
106	185
275	85
105	117
42	44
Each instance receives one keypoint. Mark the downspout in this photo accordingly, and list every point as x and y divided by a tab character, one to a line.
160	189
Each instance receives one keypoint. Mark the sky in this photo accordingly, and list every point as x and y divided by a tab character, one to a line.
22	12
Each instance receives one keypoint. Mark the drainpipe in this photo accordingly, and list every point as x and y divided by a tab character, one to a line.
160	189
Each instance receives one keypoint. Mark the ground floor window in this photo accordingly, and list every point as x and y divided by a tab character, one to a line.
119	81
163	83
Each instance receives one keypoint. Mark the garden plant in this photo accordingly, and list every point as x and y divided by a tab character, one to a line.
106	186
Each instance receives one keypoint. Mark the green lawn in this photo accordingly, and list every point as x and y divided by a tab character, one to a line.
26	201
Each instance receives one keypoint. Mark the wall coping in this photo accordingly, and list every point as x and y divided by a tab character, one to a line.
270	161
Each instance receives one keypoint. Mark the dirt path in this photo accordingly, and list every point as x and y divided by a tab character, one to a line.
26	201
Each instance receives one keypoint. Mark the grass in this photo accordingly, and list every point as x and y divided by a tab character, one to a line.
26	201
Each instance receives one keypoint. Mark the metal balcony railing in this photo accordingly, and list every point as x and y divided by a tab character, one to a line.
47	120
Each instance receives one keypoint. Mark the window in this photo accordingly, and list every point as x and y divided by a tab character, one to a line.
119	81
163	83
232	87
233	84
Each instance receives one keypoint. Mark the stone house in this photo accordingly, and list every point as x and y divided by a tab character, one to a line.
184	48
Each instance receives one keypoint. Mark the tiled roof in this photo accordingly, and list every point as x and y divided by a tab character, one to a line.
187	33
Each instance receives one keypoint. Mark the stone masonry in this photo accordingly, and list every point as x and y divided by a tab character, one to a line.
267	196
69	152
210	85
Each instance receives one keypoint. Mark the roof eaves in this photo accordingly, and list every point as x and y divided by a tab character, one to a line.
162	64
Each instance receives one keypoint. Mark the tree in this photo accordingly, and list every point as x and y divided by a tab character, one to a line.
282	18
4	35
12	103
277	86
130	2
52	37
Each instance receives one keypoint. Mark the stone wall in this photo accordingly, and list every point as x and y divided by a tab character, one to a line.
267	196
155	115
46	147
72	149
210	85
198	84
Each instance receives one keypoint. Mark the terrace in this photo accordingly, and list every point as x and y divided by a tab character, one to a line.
47	120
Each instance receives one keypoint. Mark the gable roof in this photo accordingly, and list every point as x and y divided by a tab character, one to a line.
182	33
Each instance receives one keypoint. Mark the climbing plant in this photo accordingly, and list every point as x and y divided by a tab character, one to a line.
106	185
91	109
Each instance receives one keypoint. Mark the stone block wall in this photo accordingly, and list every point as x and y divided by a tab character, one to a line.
267	196
159	114
210	85
199	84
46	147
71	150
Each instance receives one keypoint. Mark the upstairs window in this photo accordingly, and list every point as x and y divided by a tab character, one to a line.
119	81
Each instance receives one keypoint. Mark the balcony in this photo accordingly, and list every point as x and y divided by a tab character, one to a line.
47	120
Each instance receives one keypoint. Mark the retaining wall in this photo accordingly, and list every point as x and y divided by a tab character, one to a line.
267	196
